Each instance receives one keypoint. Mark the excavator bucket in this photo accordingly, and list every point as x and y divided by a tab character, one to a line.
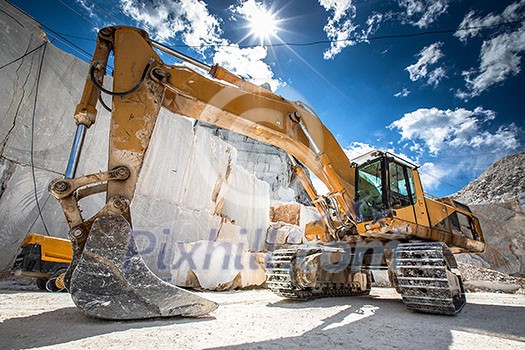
111	280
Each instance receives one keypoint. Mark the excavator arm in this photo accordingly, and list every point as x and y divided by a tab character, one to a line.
107	278
252	111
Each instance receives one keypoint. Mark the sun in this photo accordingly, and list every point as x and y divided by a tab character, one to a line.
263	25
259	23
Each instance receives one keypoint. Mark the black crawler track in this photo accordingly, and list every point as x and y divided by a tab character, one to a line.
424	274
279	279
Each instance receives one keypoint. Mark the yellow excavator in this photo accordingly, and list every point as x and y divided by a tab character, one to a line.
375	214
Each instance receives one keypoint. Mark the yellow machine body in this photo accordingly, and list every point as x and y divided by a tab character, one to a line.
53	249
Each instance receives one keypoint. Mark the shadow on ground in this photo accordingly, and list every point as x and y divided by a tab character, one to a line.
68	324
373	323
358	323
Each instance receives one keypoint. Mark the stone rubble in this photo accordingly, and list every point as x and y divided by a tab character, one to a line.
281	234
293	213
478	279
288	224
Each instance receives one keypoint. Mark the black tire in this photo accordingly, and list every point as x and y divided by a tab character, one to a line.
41	283
51	285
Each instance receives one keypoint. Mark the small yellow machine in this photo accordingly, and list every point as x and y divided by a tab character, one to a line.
45	258
375	216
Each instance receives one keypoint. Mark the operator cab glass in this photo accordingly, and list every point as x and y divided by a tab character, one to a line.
370	199
383	184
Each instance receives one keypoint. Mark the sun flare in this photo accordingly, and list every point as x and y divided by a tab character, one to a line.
263	25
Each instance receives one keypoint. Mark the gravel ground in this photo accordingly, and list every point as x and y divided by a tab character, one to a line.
258	319
479	279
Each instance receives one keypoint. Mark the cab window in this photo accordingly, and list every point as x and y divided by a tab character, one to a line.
411	184
370	191
400	189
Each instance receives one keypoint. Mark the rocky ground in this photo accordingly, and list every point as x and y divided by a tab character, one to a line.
258	319
497	199
479	279
475	279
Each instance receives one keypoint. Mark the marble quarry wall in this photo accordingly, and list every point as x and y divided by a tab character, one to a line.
193	197
268	163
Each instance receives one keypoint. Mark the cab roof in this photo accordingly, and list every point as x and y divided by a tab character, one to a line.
374	154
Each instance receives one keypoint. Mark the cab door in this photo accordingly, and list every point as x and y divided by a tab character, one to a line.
401	192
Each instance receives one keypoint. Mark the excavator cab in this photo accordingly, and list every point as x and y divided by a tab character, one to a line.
389	199
383	183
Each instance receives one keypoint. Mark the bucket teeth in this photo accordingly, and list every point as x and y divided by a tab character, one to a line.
111	280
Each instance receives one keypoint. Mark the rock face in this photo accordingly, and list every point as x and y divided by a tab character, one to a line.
268	163
497	199
502	182
46	129
194	191
192	197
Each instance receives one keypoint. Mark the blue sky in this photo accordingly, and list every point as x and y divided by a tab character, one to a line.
453	101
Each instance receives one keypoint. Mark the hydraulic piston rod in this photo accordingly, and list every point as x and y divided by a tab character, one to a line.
76	149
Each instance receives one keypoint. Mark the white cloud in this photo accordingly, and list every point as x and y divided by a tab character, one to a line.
339	8
442	130
248	63
356	149
403	93
90	12
340	26
165	20
500	56
373	22
342	30
89	8
422	13
433	174
248	9
428	56
191	21
513	12
416	148
454	144
435	76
